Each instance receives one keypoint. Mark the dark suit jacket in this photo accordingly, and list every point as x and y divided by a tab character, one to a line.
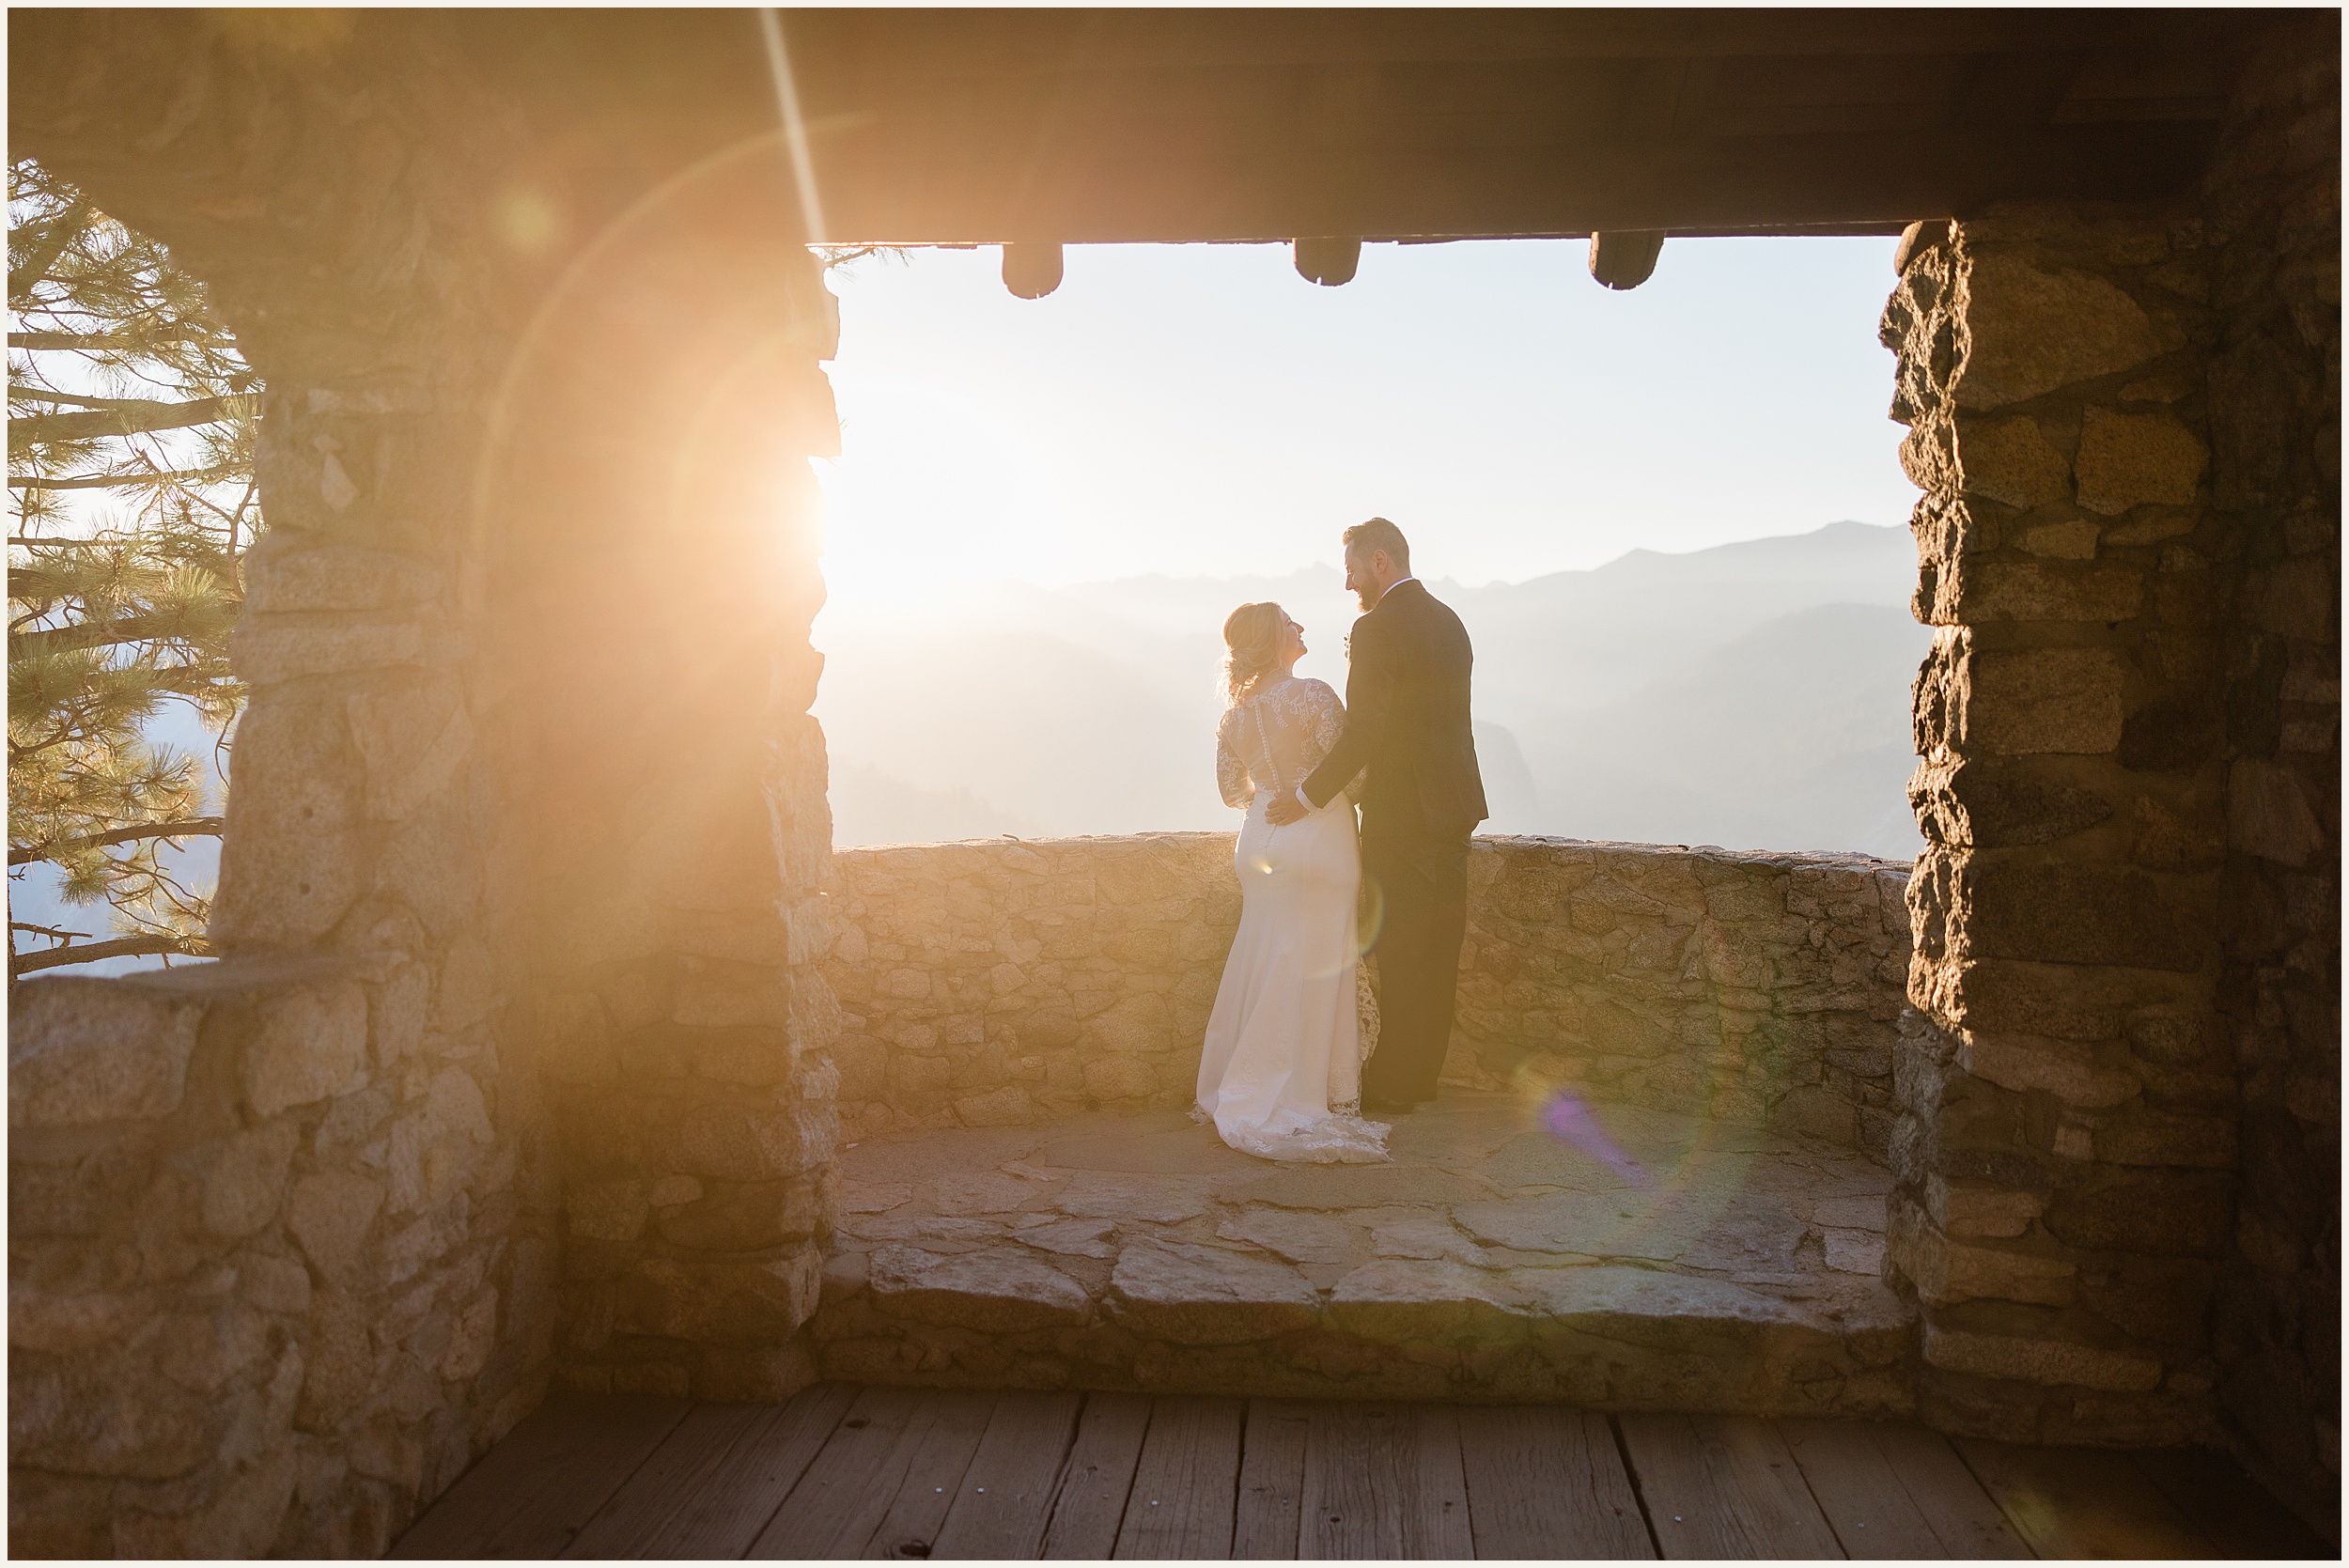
1407	719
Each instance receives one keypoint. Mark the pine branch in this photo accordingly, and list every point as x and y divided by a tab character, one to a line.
48	931
107	634
129	481
124	947
101	343
61	231
197	827
203	687
188	680
123	416
25	390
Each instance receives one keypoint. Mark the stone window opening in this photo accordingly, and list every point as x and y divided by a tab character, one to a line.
1018	1041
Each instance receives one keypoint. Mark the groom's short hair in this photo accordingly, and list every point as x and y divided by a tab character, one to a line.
1378	534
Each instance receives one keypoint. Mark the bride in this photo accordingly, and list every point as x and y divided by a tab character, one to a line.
1280	1074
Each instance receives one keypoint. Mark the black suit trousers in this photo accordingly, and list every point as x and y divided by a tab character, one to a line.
1419	900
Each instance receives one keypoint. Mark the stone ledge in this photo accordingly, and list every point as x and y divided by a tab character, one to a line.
91	1049
84	1050
1608	1337
996	1293
1139	1253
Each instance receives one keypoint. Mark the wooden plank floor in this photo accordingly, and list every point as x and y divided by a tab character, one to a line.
845	1472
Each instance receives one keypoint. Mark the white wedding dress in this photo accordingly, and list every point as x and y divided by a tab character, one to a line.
1280	1072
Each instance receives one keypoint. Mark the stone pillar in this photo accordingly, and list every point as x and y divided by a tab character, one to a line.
646	581
2066	1147
2273	205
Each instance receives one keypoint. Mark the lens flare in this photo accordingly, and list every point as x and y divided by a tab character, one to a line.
794	127
1568	1120
527	220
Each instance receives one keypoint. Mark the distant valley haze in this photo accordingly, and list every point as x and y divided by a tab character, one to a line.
1753	695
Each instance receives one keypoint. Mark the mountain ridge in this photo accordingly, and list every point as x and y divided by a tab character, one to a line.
1601	693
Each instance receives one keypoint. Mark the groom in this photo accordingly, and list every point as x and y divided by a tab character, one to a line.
1406	720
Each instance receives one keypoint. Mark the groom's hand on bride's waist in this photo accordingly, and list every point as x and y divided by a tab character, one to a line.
1282	810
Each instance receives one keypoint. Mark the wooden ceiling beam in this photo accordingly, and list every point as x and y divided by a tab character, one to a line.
911	45
2018	90
1109	191
1646	101
1172	126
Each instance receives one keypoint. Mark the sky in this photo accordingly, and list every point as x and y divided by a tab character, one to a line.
1202	410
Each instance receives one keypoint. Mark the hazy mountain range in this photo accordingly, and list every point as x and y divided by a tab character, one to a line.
1754	695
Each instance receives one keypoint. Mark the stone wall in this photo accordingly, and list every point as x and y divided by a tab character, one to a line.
1752	987
2273	207
1002	983
281	1255
994	983
2117	1159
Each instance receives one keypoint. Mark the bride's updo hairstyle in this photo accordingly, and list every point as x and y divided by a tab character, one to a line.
1251	645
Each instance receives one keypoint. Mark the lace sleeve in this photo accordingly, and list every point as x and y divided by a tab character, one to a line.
1328	717
1230	773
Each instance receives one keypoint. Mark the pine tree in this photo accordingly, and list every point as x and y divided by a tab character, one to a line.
130	424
